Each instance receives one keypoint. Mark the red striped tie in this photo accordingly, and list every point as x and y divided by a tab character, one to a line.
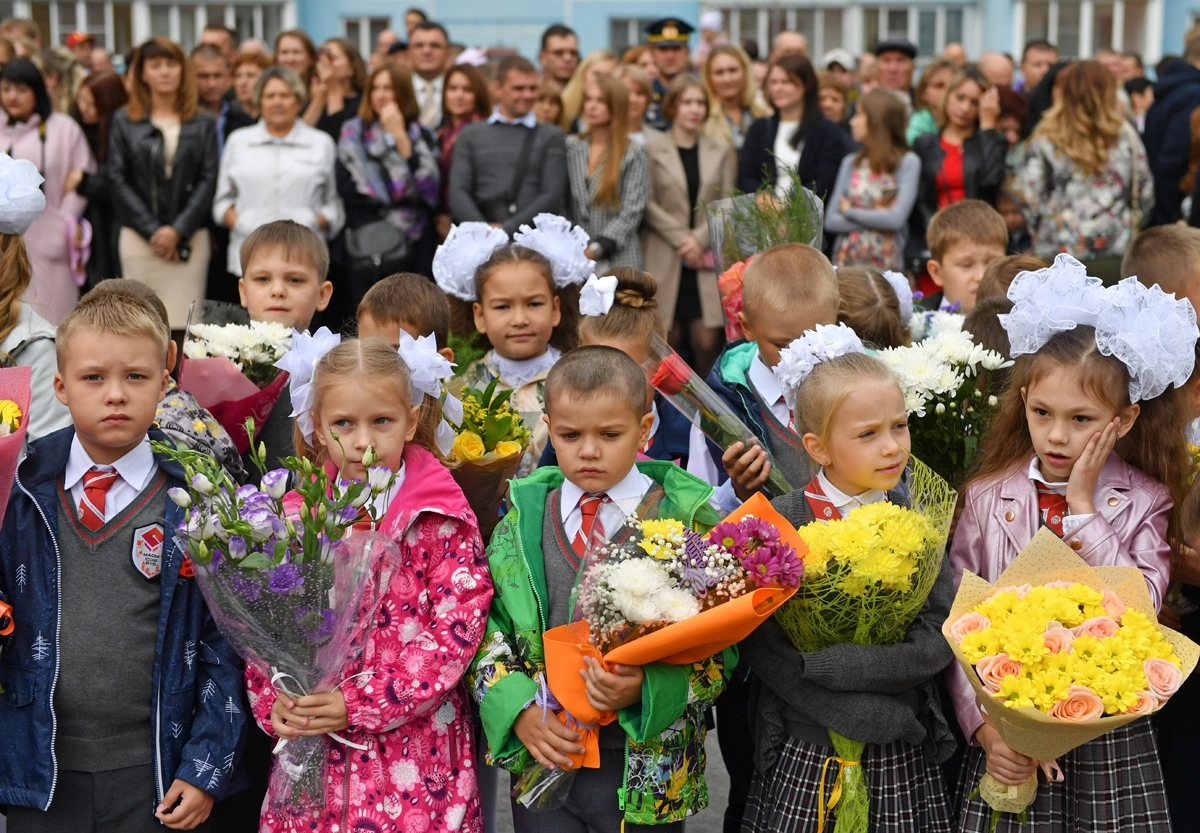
589	505
96	483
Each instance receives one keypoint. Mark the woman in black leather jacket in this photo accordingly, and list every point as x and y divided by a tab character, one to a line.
964	160
163	168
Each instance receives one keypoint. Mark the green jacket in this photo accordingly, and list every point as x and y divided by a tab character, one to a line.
664	752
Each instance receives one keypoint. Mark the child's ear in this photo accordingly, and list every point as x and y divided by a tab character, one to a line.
242	293
815	448
480	323
1128	417
557	311
166	383
447	354
325	294
935	271
414	422
60	390
747	327
644	428
172	355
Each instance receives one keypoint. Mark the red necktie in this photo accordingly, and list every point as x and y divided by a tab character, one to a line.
96	483
1053	507
821	506
589	505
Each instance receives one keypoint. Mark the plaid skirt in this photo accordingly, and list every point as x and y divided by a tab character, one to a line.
1113	784
907	794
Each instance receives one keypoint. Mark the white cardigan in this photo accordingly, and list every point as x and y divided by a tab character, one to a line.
268	179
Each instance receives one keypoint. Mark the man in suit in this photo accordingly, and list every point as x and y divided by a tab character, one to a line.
510	168
668	40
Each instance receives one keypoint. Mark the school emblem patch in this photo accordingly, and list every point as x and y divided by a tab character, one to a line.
148	550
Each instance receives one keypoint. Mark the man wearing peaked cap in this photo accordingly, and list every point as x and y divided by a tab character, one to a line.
668	39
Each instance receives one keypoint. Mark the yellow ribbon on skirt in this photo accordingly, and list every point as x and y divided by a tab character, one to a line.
824	807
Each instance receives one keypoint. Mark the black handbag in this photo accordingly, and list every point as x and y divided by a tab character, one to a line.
377	248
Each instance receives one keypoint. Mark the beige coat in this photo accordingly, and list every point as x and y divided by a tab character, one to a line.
667	213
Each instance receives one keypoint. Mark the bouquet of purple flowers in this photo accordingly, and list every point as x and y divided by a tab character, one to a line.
289	582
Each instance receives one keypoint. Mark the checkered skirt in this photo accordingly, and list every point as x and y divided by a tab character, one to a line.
1113	784
907	794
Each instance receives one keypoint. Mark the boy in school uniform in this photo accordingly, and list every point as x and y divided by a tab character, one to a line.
121	700
651	769
408	302
963	239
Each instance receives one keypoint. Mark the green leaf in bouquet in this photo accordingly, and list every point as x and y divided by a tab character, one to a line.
500	399
485	400
495	429
255	561
472	426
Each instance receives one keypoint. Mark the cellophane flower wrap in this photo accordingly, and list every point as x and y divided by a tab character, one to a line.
866	577
489	440
1059	652
949	394
742	225
287	584
671	376
230	369
15	394
659	592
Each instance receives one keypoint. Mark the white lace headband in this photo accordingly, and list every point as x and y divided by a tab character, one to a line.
1152	333
800	358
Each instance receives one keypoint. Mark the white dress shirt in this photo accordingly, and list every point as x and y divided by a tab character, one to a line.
135	471
528	120
623	500
843	502
268	178
434	88
1070	522
700	462
786	157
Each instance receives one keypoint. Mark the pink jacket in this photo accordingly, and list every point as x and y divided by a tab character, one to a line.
1000	517
418	772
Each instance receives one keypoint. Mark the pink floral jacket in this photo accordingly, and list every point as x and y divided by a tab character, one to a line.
417	774
1129	529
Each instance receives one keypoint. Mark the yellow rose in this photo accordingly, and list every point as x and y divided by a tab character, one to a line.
507	448
10	415
467	447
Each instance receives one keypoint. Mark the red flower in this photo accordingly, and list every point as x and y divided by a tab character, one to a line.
671	376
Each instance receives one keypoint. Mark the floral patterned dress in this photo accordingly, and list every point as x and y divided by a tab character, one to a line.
870	247
1085	215
417	774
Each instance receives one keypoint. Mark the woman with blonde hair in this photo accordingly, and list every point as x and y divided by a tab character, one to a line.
732	97
641	93
1085	184
596	65
607	177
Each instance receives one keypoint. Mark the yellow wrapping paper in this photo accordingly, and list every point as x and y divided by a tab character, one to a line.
1046	558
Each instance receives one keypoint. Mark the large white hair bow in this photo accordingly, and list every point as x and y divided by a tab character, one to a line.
562	244
427	368
465	249
800	358
904	295
597	295
21	197
300	362
1049	301
1152	333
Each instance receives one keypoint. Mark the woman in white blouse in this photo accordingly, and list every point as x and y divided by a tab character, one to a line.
278	169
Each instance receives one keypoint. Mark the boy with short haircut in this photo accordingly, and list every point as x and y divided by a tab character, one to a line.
121	696
597	415
999	275
963	239
787	291
1168	256
407	302
285	274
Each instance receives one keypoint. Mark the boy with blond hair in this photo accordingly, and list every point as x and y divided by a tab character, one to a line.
121	698
407	302
963	239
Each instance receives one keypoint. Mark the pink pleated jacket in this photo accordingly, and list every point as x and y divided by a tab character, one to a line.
418	771
1001	516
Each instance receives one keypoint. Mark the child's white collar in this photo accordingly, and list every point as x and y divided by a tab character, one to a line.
842	501
518	372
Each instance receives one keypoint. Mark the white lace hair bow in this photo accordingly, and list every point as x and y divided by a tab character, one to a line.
427	368
1049	301
561	243
300	362
597	295
465	249
904	295
1152	333
798	359
21	197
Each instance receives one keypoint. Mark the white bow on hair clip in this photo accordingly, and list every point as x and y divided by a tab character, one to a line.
800	358
597	295
300	362
427	368
904	295
21	198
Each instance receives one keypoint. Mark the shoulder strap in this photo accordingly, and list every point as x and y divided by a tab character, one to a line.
9	358
514	189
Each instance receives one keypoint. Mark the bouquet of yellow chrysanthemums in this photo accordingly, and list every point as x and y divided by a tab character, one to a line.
488	443
866	577
1070	651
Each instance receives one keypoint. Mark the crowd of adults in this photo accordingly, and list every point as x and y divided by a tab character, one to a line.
160	172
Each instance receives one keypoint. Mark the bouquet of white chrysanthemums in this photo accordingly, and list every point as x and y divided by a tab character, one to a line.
948	385
253	349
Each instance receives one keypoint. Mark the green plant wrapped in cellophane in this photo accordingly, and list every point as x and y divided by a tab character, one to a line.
866	578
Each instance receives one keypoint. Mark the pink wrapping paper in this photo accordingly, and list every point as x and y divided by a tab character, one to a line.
229	396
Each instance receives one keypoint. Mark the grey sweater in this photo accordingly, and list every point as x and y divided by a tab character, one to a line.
484	164
873	694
